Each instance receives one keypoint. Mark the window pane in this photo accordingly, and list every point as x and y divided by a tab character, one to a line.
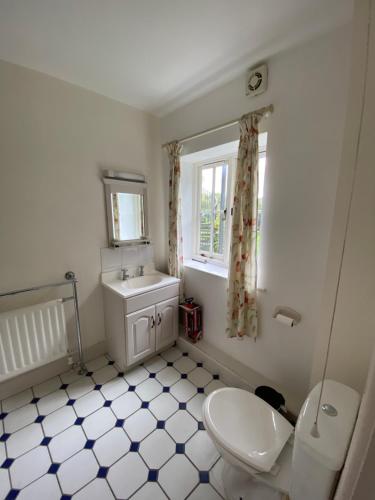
261	173
219	209
205	222
262	169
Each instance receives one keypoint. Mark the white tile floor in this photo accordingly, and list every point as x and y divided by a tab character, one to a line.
108	435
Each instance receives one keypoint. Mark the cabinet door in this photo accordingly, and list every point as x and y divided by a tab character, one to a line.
166	322
140	334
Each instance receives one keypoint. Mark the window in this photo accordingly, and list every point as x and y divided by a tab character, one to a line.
261	173
213	197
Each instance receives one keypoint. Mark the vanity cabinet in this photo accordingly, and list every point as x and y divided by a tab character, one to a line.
151	329
140	334
142	325
166	322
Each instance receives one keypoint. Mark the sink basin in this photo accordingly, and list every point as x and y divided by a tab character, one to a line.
142	281
138	285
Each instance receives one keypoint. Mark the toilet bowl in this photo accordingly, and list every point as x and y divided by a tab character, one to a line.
264	459
249	435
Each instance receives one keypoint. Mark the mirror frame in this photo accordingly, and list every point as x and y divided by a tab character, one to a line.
111	186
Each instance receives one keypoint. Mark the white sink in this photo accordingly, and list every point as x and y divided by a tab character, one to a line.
137	285
142	281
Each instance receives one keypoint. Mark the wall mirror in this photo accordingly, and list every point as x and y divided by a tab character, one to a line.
126	206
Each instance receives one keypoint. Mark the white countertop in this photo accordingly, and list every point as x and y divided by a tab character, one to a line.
111	281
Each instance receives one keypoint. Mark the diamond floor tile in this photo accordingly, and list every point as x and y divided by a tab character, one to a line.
24	440
163	406
171	355
185	364
88	403
59	420
168	376
77	471
202	451
47	387
133	469
105	374
212	386
126	405
96	424
3	455
157	448
45	487
140	424
67	444
97	364
178	477
195	404
52	402
181	426
204	492
96	490
112	446
71	376
4	483
18	400
183	390
155	364
114	388
75	436
79	388
20	418
200	377
148	389
216	477
136	375
150	491
29	467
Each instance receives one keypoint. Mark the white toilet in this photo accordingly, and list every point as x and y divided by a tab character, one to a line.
263	461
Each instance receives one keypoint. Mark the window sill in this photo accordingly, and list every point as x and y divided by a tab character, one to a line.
208	268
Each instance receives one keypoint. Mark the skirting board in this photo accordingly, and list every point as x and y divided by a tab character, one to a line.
38	375
232	372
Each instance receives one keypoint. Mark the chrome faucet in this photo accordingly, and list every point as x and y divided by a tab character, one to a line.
124	274
141	271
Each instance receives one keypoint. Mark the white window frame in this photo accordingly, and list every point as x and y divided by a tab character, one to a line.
217	259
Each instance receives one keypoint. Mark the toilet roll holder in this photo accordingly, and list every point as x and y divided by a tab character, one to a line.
287	312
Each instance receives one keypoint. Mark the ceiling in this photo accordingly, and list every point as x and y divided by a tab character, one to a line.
157	54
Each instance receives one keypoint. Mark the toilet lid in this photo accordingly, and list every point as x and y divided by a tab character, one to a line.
246	426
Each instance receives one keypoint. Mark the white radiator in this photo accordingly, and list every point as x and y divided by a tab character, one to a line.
31	337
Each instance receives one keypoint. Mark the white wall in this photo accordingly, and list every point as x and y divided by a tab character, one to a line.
354	323
308	87
54	139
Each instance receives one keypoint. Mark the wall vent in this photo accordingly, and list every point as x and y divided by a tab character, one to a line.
256	82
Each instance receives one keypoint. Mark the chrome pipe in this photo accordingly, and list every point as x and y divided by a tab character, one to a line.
33	289
70	276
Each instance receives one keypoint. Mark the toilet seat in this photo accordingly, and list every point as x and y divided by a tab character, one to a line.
246	427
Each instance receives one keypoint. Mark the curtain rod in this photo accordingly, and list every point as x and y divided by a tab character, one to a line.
266	111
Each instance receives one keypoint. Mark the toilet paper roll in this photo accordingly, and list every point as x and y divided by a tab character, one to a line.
285	319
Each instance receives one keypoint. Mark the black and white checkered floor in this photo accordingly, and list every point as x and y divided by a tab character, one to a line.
110	435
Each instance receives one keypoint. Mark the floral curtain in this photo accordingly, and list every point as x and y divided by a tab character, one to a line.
175	258
242	308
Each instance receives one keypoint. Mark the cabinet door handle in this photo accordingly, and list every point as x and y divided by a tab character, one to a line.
159	319
152	322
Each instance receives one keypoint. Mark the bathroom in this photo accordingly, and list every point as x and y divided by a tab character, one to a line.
88	105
